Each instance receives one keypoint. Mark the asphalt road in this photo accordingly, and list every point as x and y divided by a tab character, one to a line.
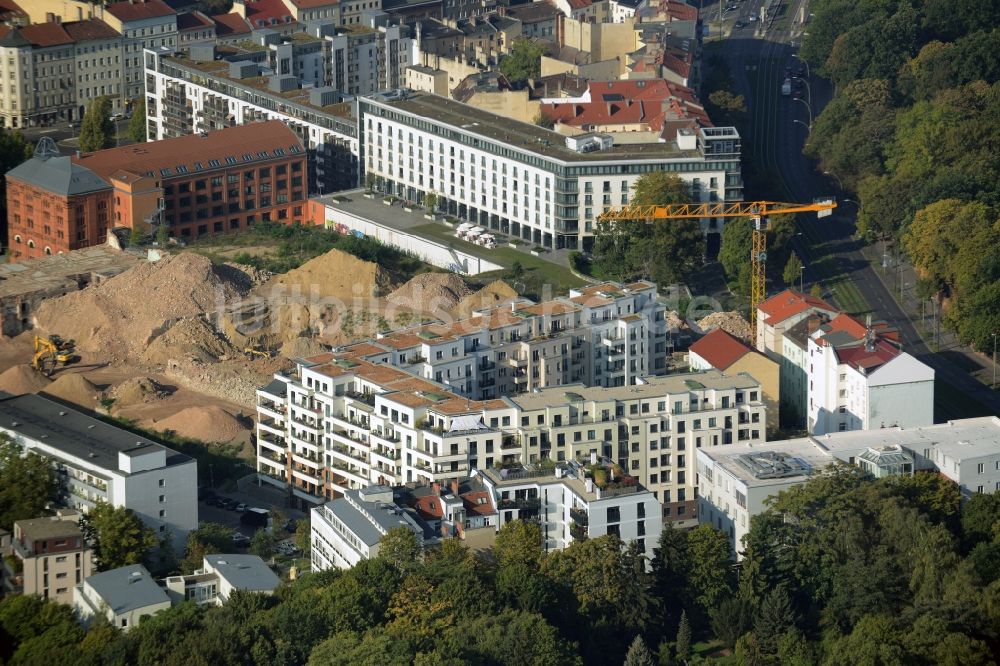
777	129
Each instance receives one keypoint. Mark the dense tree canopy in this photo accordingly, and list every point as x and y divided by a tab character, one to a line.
119	537
523	62
912	130
97	131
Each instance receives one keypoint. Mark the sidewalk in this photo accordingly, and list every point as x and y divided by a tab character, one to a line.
924	314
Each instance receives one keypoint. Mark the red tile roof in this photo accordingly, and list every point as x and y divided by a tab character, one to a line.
185	150
847	324
193	21
472	504
313	4
230	24
720	349
46	34
9	9
82	31
858	356
137	10
579	4
268	14
678	11
788	303
650	102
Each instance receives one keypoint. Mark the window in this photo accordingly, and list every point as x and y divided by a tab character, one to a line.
614	514
163	498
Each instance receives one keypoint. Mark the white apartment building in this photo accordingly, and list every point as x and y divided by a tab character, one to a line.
348	530
185	96
735	482
220	575
343	421
143	24
521	179
125	596
101	462
859	380
569	505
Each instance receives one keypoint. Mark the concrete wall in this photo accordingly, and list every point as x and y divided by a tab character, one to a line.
765	371
512	104
432	252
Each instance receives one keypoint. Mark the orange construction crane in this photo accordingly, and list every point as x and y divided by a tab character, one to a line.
756	211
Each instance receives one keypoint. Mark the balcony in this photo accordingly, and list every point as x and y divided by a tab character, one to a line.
508	442
526	503
367	398
485	366
517	361
579	517
578	532
275	458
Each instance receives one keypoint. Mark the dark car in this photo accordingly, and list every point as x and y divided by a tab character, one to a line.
290	525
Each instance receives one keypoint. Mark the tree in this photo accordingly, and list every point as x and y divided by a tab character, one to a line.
162	234
28	483
816	291
710	566
523	62
981	518
97	131
119	537
734	255
13	150
262	544
658	188
793	271
638	654
208	539
136	235
401	548
430	202
137	123
303	535
682	646
774	619
544	120
730	620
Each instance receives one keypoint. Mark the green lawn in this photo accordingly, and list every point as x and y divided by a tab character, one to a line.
538	272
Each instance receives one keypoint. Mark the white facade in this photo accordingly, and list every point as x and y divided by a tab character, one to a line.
206	100
967	451
569	507
125	596
890	388
348	530
521	179
102	462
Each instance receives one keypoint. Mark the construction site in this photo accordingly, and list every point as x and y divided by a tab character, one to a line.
173	342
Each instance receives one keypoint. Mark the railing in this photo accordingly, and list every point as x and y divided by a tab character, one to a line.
618	490
367	398
509	443
579	516
578	532
520	503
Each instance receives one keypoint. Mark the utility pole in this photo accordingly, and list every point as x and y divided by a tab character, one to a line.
802	278
994	384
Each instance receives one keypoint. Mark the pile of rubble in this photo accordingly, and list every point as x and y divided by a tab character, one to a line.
732	323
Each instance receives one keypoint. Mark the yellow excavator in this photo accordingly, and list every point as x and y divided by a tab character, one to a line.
50	352
256	351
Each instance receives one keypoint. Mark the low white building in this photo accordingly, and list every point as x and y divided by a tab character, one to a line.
99	461
125	596
348	530
220	575
736	481
569	504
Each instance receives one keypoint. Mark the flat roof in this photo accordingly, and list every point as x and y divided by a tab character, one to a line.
523	136
655	387
52	527
76	433
386	515
810	456
59	271
959	439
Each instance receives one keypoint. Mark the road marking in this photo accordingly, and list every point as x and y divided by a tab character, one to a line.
49	131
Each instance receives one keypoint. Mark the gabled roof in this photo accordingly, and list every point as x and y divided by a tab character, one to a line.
650	102
230	24
12	37
193	21
138	10
46	34
193	152
788	303
11	10
58	175
268	14
720	349
127	588
83	31
313	4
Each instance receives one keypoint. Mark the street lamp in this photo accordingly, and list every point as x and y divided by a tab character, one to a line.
836	178
994	384
800	58
808	127
808	108
802	279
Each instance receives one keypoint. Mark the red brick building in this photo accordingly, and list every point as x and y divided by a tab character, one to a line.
54	205
209	183
198	185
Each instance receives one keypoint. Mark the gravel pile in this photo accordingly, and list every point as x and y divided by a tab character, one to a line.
74	388
138	390
429	293
207	424
493	294
118	318
21	379
335	275
732	323
191	337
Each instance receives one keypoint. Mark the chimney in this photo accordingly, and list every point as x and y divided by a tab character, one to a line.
814	322
436	489
454	487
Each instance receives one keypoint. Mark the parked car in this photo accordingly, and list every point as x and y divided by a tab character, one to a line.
290	525
255	517
241	507
240	539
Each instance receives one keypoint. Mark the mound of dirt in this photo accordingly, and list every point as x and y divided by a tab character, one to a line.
430	293
493	294
138	390
74	388
334	275
732	323
207	424
301	347
22	379
120	316
192	338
